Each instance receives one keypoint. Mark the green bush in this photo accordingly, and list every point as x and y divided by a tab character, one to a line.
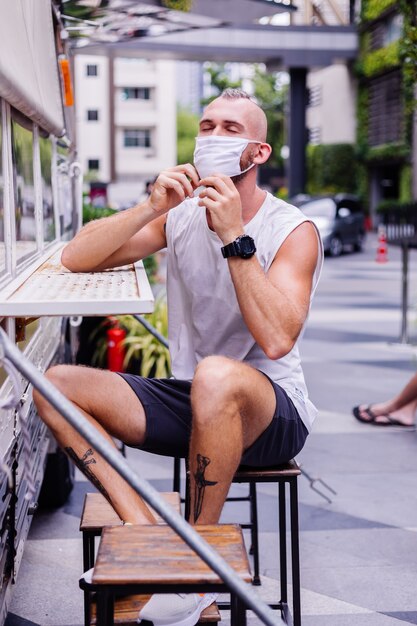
91	212
371	9
381	60
331	168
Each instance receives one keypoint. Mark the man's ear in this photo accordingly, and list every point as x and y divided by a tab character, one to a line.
264	152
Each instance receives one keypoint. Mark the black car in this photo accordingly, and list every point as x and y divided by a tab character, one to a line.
340	220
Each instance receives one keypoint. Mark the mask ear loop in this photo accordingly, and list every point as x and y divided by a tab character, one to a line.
252	164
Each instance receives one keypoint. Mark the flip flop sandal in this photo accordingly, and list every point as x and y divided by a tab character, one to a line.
391	421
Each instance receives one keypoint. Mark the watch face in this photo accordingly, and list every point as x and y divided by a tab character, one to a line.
247	246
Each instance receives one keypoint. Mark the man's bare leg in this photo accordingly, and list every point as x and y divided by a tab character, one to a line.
108	403
232	405
402	406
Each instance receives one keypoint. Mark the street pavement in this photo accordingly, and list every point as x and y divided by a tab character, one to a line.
358	552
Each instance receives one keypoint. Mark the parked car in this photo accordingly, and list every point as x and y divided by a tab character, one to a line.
340	220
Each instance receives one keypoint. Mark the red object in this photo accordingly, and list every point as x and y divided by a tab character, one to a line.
368	223
382	250
115	349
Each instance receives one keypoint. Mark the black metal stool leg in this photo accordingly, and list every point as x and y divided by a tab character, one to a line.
282	542
177	475
88	563
254	532
237	611
105	608
295	553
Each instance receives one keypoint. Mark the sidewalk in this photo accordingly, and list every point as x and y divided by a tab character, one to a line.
358	554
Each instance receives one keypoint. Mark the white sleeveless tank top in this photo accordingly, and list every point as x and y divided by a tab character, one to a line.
203	313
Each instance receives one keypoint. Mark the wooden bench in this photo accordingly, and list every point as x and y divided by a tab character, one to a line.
154	559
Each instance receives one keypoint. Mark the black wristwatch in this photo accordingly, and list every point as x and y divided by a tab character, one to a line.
243	246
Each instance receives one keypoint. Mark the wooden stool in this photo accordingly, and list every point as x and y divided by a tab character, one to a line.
154	559
97	514
281	474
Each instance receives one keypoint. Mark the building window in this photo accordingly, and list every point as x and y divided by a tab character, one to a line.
393	29
314	96
93	164
314	136
92	70
386	112
136	93
137	138
92	115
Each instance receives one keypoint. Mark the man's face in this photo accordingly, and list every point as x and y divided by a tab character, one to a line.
232	118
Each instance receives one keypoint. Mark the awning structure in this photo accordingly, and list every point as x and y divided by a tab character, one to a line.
115	21
29	78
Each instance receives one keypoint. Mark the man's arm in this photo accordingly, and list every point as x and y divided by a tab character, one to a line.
132	234
274	305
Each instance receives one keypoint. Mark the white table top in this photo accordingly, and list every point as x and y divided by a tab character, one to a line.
50	289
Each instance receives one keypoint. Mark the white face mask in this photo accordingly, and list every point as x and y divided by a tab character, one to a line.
220	155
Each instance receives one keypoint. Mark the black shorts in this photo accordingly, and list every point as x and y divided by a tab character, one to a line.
167	408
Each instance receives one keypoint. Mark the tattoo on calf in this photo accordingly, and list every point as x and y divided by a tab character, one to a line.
83	463
200	484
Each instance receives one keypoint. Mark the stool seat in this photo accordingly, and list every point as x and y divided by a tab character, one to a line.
156	555
271	473
154	559
98	512
126	611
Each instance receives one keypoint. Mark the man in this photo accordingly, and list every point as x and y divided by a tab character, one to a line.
242	267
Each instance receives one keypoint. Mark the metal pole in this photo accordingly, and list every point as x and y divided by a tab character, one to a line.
140	485
404	299
152	330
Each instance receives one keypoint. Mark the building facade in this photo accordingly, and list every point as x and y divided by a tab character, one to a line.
126	122
386	102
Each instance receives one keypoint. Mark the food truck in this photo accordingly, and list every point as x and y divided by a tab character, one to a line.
40	207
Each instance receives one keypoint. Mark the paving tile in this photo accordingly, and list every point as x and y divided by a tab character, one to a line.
410	617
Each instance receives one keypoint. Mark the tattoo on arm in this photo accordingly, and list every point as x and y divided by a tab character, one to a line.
200	484
83	463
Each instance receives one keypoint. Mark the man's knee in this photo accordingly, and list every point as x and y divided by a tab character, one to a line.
216	378
61	377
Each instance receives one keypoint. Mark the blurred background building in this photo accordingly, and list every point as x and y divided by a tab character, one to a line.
126	122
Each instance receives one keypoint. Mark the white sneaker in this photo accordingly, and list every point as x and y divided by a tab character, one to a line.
182	609
88	576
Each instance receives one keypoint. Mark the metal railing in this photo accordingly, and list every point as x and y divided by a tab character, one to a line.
9	352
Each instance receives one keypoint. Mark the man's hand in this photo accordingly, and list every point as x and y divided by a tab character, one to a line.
172	187
222	200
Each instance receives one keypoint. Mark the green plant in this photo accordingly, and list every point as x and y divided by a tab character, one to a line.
331	168
371	9
382	59
91	212
388	152
145	354
178	5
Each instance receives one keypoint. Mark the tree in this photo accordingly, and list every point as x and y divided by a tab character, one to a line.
219	81
187	130
271	95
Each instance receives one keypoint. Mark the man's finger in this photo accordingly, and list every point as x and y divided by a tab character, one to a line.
189	170
180	177
220	182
